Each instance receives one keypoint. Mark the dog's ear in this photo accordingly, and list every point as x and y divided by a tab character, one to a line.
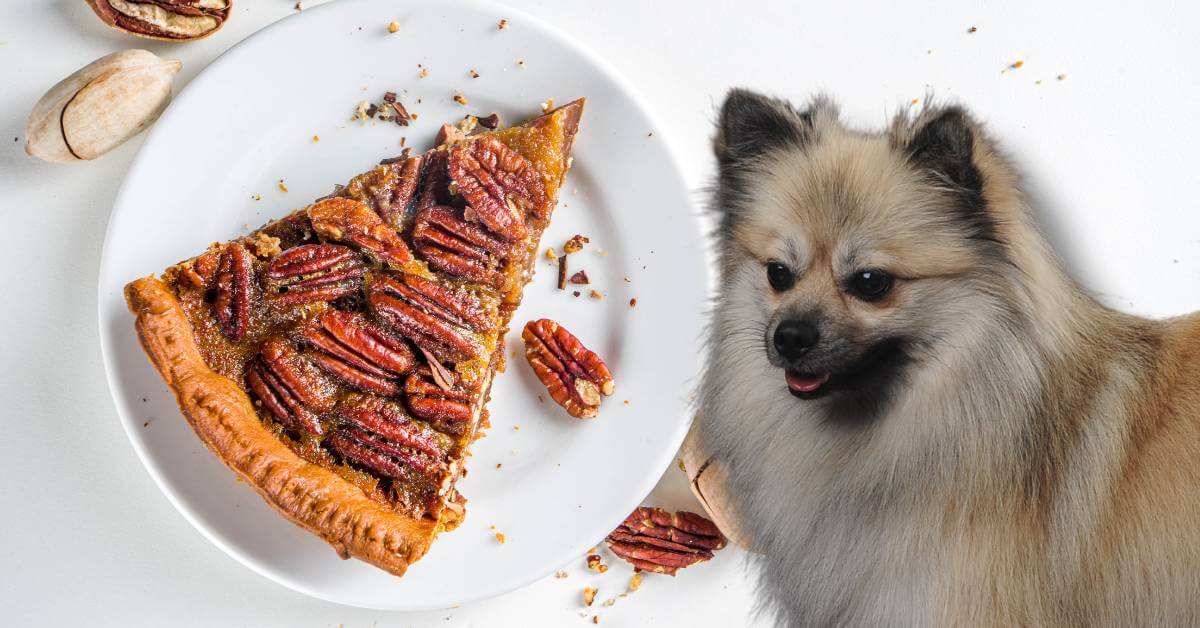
944	145
751	124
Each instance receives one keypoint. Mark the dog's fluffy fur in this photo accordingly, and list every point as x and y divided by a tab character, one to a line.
999	447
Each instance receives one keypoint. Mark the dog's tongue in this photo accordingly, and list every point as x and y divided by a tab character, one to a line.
805	383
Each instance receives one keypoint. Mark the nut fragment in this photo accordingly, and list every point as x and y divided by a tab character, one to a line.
100	106
169	20
575	376
651	539
589	595
575	244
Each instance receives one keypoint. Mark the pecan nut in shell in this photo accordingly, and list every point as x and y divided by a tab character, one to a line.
170	20
574	375
652	539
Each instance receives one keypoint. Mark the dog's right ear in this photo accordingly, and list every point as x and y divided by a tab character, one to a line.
752	124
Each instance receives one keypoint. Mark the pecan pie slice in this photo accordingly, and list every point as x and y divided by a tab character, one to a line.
339	358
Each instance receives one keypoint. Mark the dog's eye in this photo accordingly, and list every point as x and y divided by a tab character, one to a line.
869	285
780	276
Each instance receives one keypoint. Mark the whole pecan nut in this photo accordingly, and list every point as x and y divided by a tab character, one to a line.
352	222
652	539
429	401
449	243
499	183
437	317
314	272
289	387
236	291
171	20
574	375
357	351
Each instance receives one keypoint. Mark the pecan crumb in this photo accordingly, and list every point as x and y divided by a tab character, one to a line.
596	295
575	244
594	563
299	7
393	26
633	302
257	197
971	30
550	254
521	63
914	102
580	278
490	121
282	187
516	428
498	465
1016	65
562	273
1062	77
316	138
474	74
372	110
360	112
560	574
636	581
610	601
502	24
500	538
589	595
423	73
460	99
595	619
576	293
679	461
389	97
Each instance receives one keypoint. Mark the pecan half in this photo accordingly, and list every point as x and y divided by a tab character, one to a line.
380	456
164	19
350	221
449	243
289	387
434	403
235	291
390	189
499	183
437	317
574	375
314	272
652	539
357	351
390	422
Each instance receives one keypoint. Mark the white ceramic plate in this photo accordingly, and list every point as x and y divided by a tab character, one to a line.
248	121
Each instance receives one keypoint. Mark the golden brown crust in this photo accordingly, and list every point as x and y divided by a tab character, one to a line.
224	418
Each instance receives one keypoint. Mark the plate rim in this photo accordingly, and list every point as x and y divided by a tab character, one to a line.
196	84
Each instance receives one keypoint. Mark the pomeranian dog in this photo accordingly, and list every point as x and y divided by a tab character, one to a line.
921	419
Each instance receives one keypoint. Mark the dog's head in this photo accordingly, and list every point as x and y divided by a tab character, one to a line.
853	253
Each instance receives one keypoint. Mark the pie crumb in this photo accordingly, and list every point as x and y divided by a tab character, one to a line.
560	574
1062	77
502	24
610	601
596	295
316	138
282	187
500	538
460	99
423	73
393	27
636	581
589	595
633	302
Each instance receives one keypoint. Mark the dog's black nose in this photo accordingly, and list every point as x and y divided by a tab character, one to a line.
793	338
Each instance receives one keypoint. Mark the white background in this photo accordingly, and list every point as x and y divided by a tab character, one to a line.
85	536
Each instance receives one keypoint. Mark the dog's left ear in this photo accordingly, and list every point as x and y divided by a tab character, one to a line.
944	145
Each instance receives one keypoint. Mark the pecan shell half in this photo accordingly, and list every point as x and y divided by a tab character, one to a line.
172	20
235	292
356	351
289	387
350	221
314	272
574	375
499	183
652	539
449	243
440	318
429	401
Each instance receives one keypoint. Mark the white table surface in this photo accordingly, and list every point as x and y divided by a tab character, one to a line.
86	537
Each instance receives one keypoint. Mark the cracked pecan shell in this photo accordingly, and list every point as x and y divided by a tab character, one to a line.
314	272
352	222
499	183
440	318
652	539
356	351
574	375
449	243
235	292
289	387
172	20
